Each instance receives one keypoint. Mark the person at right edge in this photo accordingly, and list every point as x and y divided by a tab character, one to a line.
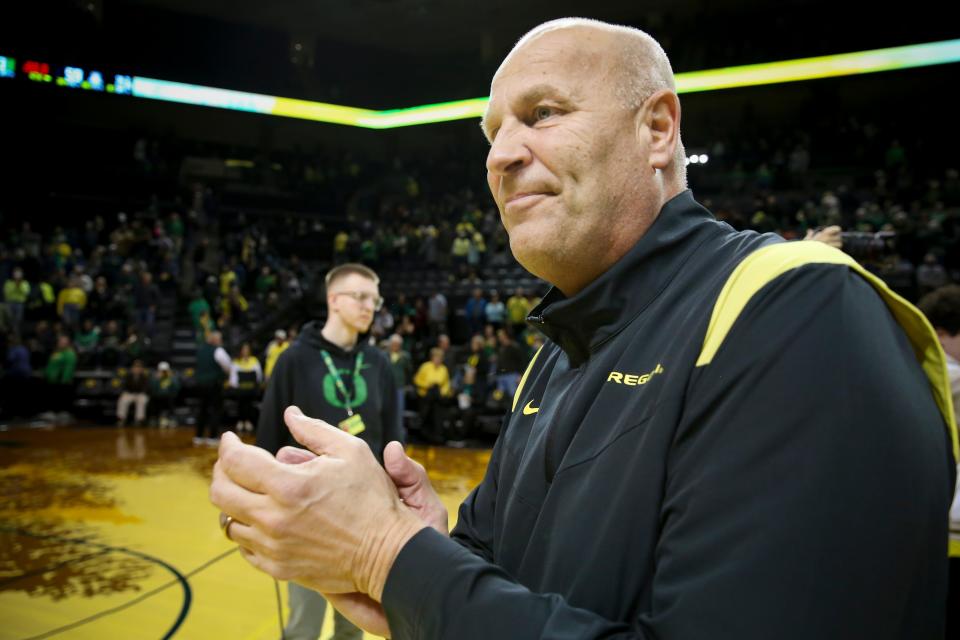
347	382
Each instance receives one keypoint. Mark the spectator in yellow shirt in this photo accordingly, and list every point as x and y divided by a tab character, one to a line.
246	378
433	374
340	242
518	307
432	381
70	303
277	346
461	249
228	279
234	306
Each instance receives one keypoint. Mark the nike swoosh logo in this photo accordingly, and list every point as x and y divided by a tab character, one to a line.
530	410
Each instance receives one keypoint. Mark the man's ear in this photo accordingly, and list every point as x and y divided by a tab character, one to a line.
659	120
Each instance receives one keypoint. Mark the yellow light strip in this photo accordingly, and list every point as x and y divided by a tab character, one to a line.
933	53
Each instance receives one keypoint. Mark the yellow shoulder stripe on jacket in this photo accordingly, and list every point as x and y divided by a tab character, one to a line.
523	380
770	262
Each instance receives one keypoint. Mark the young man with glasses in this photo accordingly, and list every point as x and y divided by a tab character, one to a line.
329	372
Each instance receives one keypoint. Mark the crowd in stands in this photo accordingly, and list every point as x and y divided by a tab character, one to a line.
106	294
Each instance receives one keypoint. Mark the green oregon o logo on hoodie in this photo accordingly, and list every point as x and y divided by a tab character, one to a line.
359	390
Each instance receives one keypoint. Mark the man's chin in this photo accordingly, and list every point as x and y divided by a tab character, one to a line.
531	250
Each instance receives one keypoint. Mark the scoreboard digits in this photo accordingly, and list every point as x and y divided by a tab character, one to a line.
69	77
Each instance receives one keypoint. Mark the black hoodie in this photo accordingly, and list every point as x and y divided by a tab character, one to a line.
301	378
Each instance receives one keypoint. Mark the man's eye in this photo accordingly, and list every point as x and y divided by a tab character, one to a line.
541	113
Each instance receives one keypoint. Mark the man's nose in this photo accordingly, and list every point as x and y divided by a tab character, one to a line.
508	151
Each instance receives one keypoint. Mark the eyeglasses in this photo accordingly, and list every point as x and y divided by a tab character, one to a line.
363	297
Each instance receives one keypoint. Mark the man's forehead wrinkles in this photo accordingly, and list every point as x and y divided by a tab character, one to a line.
561	59
563	65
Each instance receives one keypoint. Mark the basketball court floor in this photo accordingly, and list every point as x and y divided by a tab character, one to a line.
108	533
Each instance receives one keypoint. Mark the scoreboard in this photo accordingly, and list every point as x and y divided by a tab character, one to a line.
70	77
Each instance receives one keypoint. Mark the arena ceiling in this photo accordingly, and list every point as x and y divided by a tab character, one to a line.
431	26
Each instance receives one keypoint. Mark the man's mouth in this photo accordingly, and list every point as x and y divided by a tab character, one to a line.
525	199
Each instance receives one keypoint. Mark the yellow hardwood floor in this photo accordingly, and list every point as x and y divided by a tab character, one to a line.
114	523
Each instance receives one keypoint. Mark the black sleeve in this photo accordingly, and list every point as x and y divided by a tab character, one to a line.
443	587
811	428
812	424
439	589
272	432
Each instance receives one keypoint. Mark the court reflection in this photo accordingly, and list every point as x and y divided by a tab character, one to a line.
68	492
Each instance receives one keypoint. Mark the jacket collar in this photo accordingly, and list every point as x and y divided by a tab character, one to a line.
602	308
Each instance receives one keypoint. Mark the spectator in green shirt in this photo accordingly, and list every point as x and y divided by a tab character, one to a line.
86	341
62	362
59	375
16	290
368	252
197	307
175	229
205	325
266	281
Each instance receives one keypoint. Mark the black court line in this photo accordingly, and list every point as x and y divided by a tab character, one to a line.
178	577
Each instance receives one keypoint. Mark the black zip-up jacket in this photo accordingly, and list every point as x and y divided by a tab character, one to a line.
301	377
688	459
